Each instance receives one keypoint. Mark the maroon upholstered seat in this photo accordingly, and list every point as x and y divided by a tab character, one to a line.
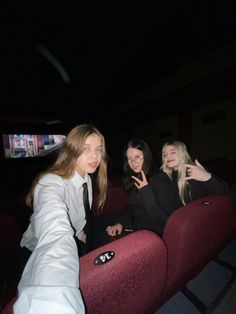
131	281
8	308
115	203
194	235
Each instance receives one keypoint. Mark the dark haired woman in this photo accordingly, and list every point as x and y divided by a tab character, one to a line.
139	179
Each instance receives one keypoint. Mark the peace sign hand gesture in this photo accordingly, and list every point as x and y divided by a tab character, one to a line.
197	172
140	183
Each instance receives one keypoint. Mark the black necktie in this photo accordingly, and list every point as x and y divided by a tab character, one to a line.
87	228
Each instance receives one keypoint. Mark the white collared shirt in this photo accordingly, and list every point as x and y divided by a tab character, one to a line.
51	275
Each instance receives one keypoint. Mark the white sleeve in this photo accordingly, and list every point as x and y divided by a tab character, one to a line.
51	276
49	300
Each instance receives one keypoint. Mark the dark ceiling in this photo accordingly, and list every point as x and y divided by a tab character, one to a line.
75	60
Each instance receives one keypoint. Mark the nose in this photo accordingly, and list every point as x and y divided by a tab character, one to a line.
94	154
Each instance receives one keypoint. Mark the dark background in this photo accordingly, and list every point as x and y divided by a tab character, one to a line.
109	63
80	61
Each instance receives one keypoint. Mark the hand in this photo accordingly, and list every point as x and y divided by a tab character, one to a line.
114	230
140	183
197	172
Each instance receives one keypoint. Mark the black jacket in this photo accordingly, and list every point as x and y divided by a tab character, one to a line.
150	207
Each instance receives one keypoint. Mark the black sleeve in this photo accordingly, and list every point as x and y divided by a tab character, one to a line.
125	219
216	186
153	210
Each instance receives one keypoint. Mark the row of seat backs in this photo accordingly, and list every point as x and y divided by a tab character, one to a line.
148	270
145	270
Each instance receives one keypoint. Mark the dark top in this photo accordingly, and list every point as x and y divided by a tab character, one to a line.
150	207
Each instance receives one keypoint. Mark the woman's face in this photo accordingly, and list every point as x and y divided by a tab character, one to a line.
170	157
135	159
91	156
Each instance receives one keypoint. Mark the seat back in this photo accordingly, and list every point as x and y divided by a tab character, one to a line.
194	235
131	281
115	203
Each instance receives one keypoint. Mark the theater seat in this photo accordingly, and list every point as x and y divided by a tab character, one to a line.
194	235
115	203
131	281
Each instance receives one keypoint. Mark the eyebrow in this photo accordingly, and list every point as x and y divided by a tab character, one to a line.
86	144
138	155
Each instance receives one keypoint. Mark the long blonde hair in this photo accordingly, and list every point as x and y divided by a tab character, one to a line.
184	157
71	149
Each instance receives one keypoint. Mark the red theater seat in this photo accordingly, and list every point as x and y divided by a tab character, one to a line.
115	203
194	235
131	281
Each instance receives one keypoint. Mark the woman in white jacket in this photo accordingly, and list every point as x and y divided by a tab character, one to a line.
50	280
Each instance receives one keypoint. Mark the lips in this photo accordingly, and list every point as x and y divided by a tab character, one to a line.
93	165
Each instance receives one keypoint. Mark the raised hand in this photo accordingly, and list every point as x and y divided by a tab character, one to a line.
197	172
140	183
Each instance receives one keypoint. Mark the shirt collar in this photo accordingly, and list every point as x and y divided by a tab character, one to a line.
78	180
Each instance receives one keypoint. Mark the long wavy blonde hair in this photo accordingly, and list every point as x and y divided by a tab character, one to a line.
184	157
64	165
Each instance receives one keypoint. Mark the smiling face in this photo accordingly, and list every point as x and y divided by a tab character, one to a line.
91	156
171	157
135	159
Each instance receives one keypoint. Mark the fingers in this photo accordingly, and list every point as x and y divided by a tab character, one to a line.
198	164
137	182
113	230
136	179
193	166
140	183
196	172
137	185
142	179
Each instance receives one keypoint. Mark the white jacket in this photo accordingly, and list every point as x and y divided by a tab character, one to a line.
50	281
